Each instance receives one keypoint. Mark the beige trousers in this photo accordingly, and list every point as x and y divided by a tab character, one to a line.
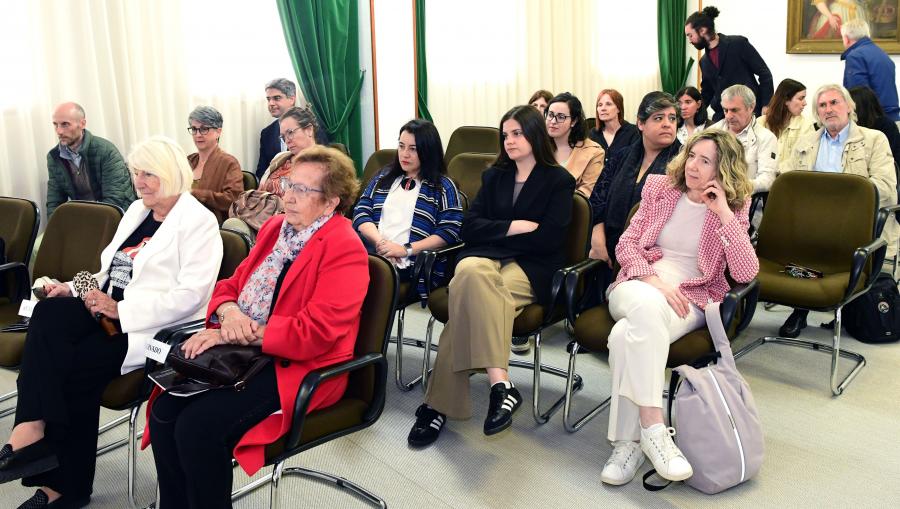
638	350
485	298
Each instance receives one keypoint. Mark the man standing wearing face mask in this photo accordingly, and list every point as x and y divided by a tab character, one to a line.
727	60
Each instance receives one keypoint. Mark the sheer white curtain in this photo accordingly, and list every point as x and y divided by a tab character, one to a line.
486	56
138	68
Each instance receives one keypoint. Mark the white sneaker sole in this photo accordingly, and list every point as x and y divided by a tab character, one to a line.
620	482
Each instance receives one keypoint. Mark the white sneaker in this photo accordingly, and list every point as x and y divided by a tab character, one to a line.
624	463
667	459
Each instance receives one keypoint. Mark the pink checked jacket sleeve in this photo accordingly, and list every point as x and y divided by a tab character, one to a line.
720	246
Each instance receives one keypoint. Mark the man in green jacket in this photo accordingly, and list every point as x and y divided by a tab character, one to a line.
84	166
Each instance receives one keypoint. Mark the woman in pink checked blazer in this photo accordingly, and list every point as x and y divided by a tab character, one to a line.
691	225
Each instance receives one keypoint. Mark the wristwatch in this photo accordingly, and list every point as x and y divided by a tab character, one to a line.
408	247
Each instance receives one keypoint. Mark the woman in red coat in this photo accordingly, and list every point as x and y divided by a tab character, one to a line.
691	225
322	268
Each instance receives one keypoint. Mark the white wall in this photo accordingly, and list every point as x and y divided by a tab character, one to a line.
764	23
395	62
366	98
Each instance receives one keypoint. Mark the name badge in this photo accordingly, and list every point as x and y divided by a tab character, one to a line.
157	350
27	308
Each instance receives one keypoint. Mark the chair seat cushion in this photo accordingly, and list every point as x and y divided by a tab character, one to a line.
11	343
592	330
123	391
342	416
821	293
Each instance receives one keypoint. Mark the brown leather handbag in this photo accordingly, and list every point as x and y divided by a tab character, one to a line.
255	207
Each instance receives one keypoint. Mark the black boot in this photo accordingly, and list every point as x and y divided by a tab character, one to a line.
504	403
795	323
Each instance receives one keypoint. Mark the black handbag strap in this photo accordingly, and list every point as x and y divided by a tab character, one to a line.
653	487
278	282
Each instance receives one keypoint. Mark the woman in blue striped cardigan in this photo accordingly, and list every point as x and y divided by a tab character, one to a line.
411	205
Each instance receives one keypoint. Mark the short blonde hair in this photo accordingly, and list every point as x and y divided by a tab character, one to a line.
731	167
839	89
339	178
166	160
855	29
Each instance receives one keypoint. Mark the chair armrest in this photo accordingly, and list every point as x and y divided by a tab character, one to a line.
743	297
573	276
174	334
430	257
314	378
881	219
876	249
20	273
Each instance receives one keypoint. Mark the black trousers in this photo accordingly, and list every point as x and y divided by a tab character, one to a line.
193	439
67	363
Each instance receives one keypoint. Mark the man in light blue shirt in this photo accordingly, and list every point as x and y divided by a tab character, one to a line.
831	149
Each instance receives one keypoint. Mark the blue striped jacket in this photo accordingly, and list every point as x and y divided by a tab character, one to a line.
438	212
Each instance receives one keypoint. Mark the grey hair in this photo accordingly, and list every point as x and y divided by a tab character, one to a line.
206	115
78	109
304	117
284	86
656	101
742	91
839	89
855	29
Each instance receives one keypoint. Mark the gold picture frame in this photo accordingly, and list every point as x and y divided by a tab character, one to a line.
810	31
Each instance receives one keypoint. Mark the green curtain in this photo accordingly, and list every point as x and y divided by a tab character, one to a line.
421	66
323	40
670	17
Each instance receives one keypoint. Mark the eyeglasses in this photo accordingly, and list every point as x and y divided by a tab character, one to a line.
202	130
557	117
286	185
290	133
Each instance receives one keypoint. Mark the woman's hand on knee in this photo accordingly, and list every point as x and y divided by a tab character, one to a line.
679	303
57	290
201	342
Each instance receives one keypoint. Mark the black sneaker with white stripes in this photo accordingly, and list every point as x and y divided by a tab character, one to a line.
504	403
429	423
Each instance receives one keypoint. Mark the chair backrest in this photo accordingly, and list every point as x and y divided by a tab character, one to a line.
375	323
250	181
18	228
235	247
578	237
341	147
465	169
589	123
76	234
817	219
472	139
378	160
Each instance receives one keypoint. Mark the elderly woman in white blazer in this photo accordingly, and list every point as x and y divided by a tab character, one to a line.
159	269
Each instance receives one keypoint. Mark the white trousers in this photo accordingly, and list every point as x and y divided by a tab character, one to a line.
638	349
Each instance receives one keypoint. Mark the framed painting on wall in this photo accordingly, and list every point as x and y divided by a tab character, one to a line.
813	26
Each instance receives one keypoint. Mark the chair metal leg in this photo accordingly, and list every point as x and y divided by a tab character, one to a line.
570	426
132	451
11	410
340	482
398	357
274	500
426	360
837	388
537	368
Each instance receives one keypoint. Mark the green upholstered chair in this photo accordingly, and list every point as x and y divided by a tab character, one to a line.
341	147
533	319
129	391
378	160
829	222
250	181
75	236
18	230
465	169
479	139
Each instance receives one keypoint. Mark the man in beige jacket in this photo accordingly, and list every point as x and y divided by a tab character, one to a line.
842	146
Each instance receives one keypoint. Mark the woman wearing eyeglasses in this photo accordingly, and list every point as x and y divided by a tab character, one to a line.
317	264
298	129
583	158
411	205
218	180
